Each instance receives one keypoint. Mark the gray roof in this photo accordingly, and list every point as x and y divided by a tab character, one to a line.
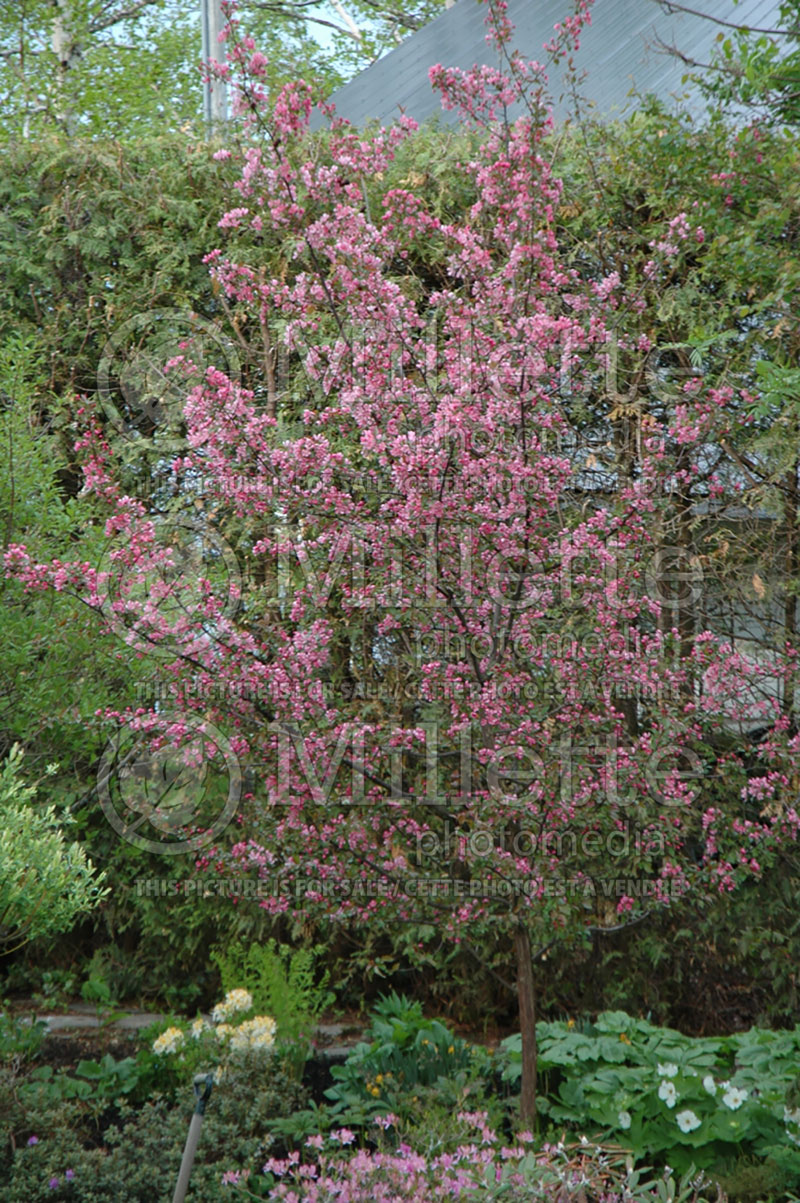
618	50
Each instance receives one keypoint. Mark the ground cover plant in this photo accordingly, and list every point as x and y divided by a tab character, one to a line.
482	1168
689	1101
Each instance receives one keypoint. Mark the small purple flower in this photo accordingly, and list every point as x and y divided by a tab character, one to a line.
53	1183
70	1174
33	1140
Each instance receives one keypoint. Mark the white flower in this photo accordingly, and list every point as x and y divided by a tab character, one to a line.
258	1033
168	1042
687	1121
734	1097
197	1028
668	1071
668	1093
709	1084
791	1117
624	1119
233	1002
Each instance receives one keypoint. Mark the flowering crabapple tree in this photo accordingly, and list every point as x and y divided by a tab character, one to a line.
465	677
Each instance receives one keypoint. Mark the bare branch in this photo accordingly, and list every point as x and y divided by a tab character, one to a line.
106	19
407	20
666	48
293	8
670	7
292	13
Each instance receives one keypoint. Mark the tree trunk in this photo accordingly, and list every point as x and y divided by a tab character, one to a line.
68	52
527	1020
790	585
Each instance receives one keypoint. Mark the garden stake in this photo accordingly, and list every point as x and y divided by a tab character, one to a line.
202	1091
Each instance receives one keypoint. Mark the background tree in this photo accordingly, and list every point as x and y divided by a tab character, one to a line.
757	68
76	65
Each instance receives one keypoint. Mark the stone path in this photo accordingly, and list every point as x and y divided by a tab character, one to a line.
82	1016
333	1040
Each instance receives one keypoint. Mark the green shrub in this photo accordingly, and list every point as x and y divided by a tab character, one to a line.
404	1053
20	1038
46	883
135	1158
285	983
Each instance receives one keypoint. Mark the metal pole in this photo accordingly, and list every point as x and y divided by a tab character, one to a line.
203	1084
215	99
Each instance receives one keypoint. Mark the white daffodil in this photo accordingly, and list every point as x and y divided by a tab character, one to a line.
668	1094
687	1121
709	1084
667	1071
624	1119
734	1097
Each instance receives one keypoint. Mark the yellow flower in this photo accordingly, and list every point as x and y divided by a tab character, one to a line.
451	1049
375	1091
379	1079
624	1038
570	1023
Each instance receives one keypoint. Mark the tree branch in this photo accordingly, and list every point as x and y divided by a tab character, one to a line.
281	10
670	7
105	20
